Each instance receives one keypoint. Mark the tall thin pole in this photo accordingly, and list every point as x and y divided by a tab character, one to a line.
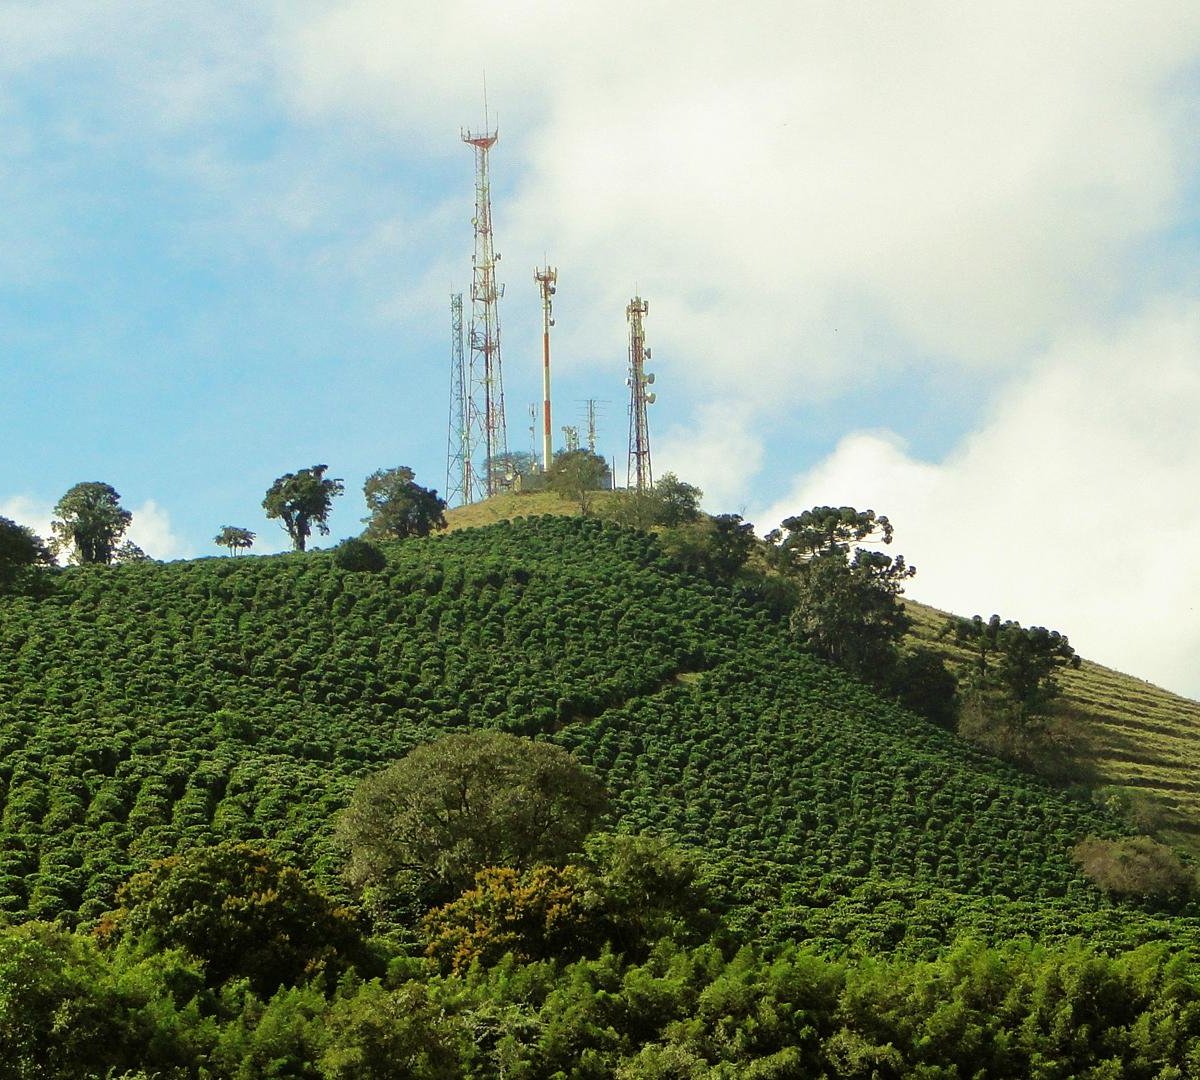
547	279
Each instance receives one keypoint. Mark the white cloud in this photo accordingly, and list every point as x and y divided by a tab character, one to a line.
1073	507
151	530
28	512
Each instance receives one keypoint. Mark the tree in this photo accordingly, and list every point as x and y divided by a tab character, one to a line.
239	911
20	549
419	830
89	523
400	507
717	547
848	611
828	530
1021	662
577	475
848	606
302	499
675	502
129	552
234	538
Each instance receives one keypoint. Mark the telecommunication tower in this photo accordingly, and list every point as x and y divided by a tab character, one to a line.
592	409
459	478
547	279
485	399
639	474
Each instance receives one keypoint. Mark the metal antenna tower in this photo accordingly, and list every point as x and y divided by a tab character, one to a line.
639	474
485	401
547	279
459	479
591	424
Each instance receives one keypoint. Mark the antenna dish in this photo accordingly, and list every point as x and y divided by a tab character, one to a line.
651	398
649	376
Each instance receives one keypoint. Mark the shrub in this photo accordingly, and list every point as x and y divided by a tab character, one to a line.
1134	866
358	555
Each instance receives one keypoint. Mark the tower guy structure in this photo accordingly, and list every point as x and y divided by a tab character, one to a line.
460	481
547	279
487	436
639	473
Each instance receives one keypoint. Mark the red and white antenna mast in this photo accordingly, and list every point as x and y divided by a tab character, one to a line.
547	279
639	474
485	408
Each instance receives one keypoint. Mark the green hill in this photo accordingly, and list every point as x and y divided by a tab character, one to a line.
149	707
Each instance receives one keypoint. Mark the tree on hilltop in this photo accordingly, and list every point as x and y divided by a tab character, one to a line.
89	524
400	507
577	475
301	500
235	539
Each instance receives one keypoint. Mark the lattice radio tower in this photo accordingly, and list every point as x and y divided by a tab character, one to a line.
639	474
487	434
460	481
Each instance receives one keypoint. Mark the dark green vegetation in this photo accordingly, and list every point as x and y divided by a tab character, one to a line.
149	711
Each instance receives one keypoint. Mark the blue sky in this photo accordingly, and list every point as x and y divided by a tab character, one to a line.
939	259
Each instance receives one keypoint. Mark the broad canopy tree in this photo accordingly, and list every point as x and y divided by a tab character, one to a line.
400	507
577	475
418	831
301	500
20	549
89	524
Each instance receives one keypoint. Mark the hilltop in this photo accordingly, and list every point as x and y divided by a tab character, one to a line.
1133	739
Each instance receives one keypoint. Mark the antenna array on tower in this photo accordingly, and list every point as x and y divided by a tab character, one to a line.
487	433
639	472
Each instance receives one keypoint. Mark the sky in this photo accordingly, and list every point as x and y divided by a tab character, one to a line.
941	260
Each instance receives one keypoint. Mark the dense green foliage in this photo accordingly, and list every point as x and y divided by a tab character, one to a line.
399	506
156	708
21	550
89	522
237	911
153	711
68	1010
424	826
301	500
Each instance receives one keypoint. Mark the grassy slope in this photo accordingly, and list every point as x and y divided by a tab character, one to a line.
152	706
1136	737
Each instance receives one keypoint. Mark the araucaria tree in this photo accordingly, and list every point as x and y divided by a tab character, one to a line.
234	538
89	523
1021	662
301	500
848	606
400	507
